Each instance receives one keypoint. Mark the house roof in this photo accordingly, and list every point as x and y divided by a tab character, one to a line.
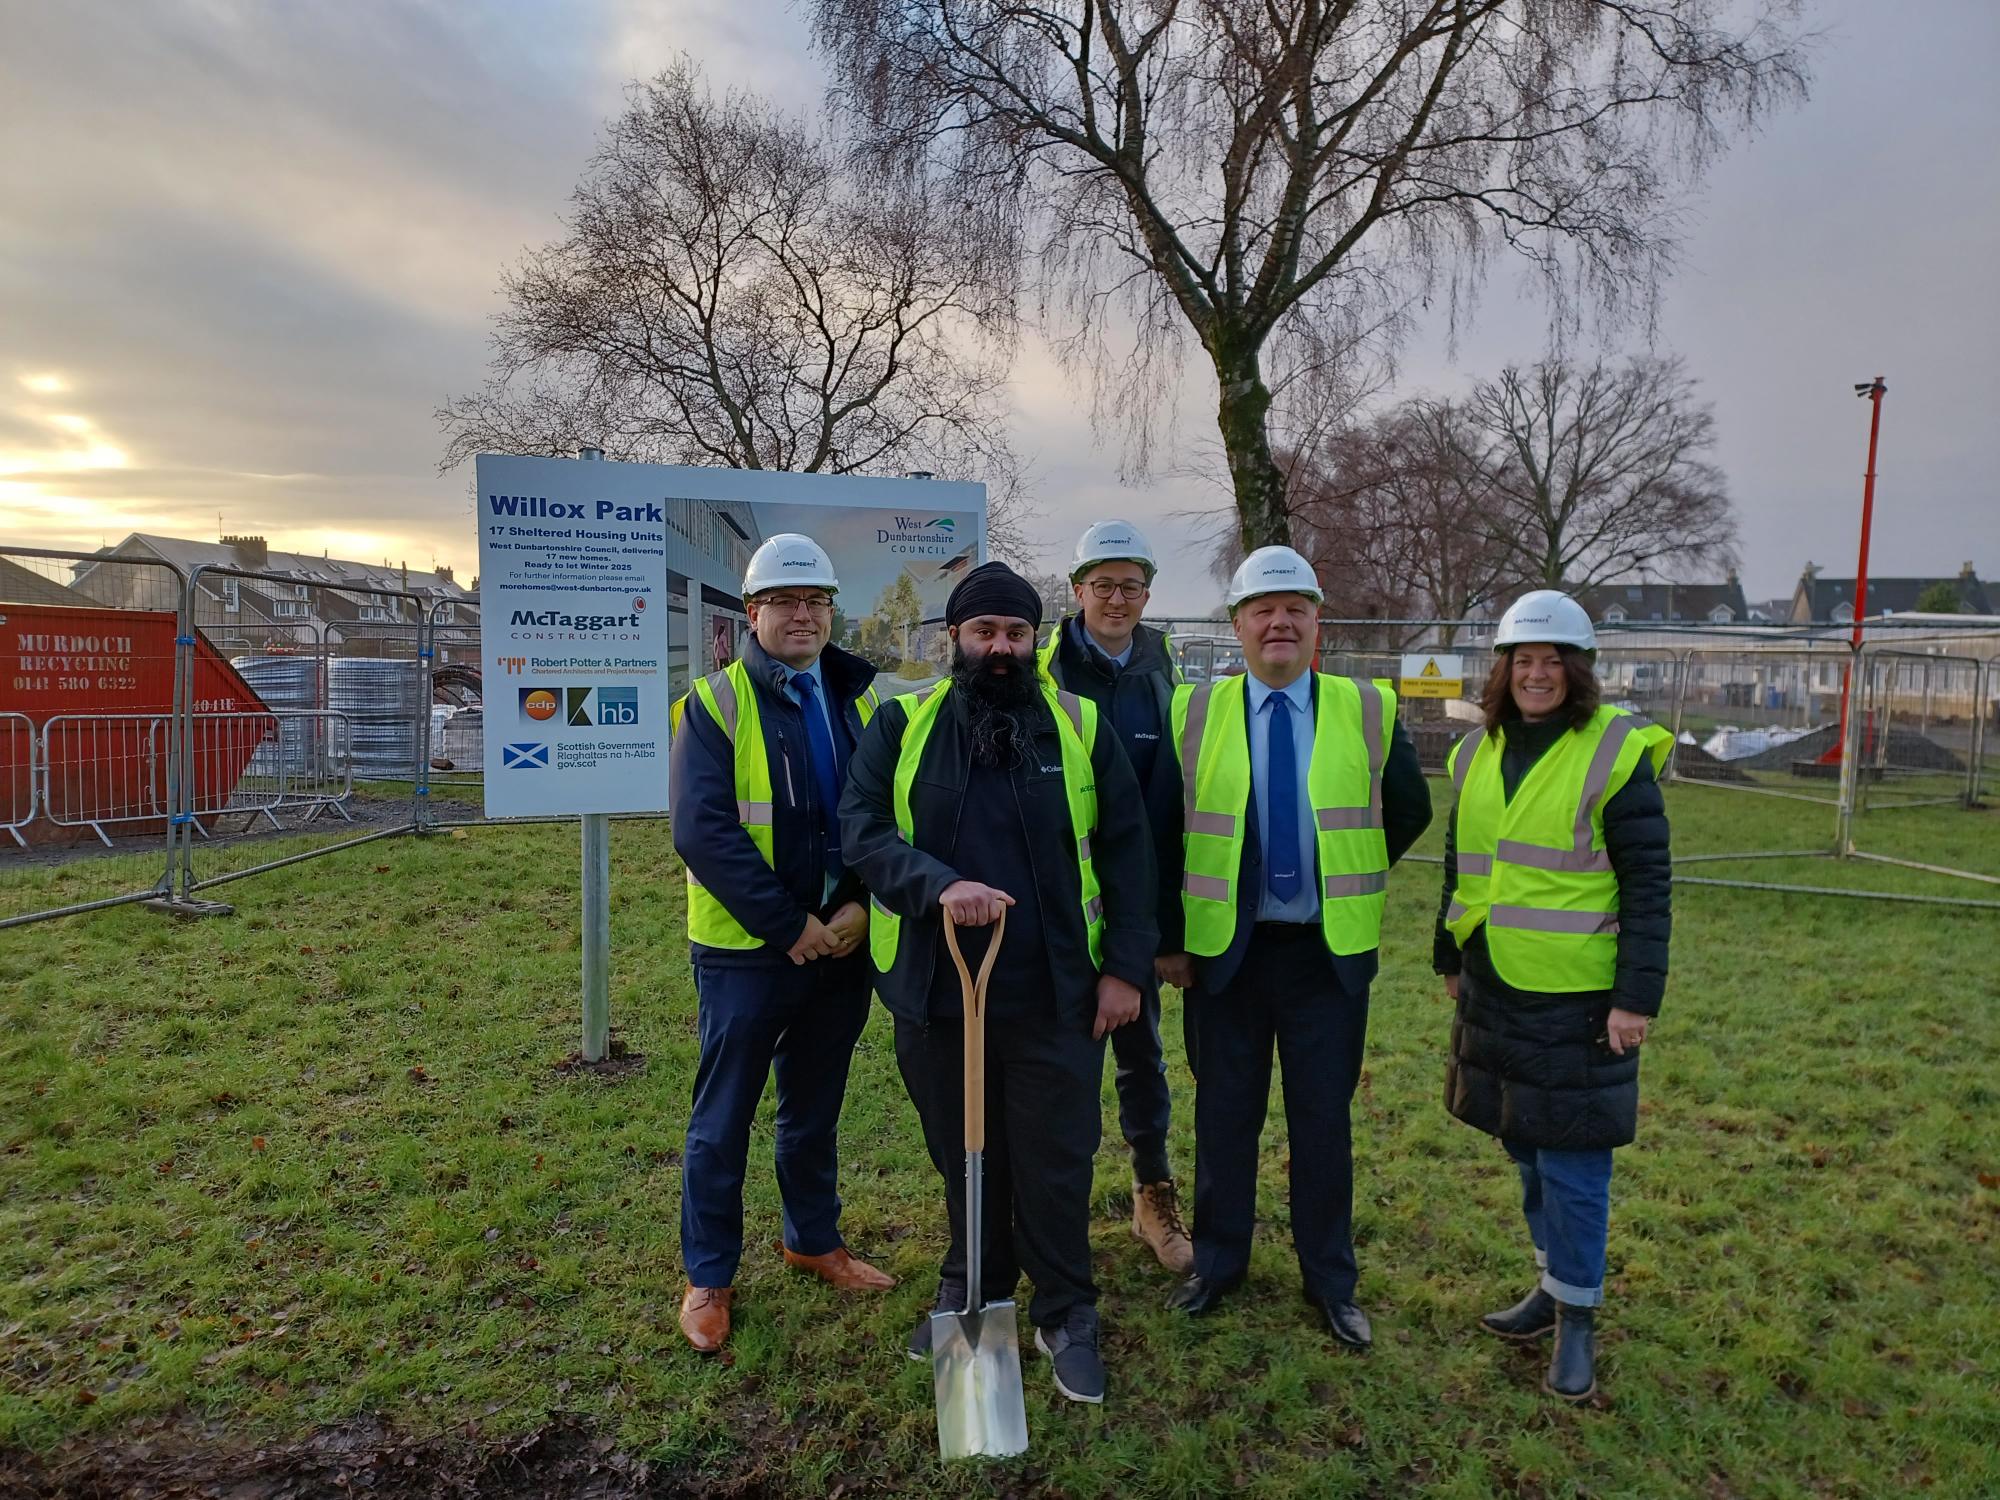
1822	596
334	572
19	585
1665	601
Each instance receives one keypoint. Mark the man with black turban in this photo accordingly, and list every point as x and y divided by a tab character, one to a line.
992	791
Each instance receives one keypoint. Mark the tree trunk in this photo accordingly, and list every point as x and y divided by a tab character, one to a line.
1245	403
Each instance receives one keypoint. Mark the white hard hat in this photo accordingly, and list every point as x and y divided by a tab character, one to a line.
1546	617
1273	570
789	558
1112	541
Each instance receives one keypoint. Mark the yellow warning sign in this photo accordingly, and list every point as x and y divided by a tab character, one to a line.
1432	676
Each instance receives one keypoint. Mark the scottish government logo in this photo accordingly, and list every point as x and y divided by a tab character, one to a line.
524	757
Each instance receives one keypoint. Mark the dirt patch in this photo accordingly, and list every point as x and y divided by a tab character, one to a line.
182	1459
619	1061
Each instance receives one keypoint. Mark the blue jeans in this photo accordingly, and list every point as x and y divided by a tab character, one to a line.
1566	1199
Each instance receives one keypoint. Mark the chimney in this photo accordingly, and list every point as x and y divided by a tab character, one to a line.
1965	574
444	574
252	552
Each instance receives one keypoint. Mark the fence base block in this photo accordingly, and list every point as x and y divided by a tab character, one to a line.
190	906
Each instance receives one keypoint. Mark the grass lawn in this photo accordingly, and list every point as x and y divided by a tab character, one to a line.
312	1163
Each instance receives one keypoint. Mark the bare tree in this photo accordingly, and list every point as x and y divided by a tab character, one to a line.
1599	472
731	291
1270	175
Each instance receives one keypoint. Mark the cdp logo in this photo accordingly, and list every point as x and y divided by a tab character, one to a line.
538	704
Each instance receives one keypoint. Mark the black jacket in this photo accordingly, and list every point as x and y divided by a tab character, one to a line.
1142	692
909	878
1406	813
771	901
1527	1066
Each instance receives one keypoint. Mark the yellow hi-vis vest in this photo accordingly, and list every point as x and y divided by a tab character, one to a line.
1534	869
1076	730
1353	723
731	701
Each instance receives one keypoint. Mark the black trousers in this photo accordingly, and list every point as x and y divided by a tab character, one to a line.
1042	1129
1145	1106
1286	994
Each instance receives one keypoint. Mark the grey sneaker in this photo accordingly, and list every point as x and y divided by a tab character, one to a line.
1071	1346
950	1298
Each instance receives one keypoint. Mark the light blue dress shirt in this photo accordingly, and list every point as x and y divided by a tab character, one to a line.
1117	661
1304	906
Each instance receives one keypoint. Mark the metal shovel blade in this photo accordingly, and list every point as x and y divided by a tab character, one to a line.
976	1369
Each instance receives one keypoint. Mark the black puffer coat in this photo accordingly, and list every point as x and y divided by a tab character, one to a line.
1528	1066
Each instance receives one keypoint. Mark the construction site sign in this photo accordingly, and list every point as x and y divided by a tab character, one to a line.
1432	676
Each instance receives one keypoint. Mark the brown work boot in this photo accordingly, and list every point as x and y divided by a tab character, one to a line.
1156	1221
705	1316
838	1268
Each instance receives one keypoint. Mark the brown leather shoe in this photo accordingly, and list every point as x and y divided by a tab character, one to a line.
705	1316
1156	1222
840	1269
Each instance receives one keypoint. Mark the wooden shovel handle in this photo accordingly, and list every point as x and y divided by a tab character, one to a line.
974	992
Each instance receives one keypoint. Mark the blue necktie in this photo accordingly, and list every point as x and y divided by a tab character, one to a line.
826	773
1281	839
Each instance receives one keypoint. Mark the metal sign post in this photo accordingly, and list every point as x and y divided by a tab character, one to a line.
596	918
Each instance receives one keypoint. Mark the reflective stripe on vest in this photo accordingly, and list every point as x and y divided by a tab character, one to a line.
1533	869
1353	724
1076	731
731	702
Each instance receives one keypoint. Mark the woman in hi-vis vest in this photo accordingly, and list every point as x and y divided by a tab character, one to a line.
1552	939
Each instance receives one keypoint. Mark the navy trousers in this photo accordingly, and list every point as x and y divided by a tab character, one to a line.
801	1023
1287	996
1145	1107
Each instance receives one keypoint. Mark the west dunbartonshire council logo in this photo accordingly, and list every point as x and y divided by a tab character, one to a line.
524	757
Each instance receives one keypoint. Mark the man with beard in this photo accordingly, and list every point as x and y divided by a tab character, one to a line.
1105	654
994	791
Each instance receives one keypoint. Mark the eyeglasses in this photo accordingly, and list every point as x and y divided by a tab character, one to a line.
789	604
1129	589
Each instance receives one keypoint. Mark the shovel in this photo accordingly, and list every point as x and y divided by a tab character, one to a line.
976	1354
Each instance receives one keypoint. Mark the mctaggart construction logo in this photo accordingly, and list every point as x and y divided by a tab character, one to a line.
525	757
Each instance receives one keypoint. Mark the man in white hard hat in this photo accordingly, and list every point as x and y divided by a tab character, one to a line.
1302	791
1105	653
776	921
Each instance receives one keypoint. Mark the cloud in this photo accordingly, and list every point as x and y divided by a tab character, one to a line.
251	247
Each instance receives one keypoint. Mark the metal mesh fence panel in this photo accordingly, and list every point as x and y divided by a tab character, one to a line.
333	753
87	729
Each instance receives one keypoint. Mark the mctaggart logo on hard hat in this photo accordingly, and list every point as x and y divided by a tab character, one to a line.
526	757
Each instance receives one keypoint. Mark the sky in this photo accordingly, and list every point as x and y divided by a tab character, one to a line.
247	248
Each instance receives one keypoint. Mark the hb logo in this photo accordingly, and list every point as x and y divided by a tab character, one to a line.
524	757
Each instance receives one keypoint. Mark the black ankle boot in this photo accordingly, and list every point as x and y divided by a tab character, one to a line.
1530	1318
1573	1368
